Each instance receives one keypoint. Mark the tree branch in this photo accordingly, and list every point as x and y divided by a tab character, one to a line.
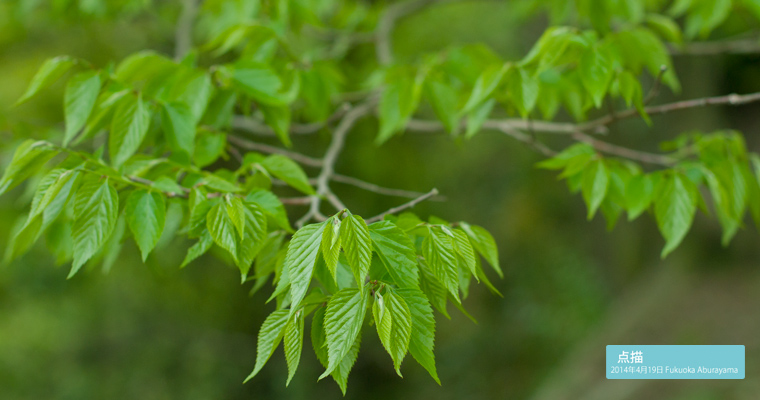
183	35
371	187
649	158
733	46
265	148
257	127
328	162
394	210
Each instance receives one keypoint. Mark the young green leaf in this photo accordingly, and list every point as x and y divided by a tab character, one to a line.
330	246
343	322
29	156
300	259
146	216
397	252
222	229
674	207
272	205
464	251
638	193
394	326
79	99
198	249
128	128
254	236
270	335
236	211
49	72
595	69
258	81
486	84
484	243
286	170
96	207
357	245
293	343
438	250
318	341
444	100
423	330
278	118
596	179
179	127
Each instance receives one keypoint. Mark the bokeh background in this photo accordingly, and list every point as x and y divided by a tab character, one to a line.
152	331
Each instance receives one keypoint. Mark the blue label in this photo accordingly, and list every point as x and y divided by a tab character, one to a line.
675	362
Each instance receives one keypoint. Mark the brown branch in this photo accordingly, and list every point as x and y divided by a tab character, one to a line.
252	125
306	200
265	148
371	187
649	158
183	35
734	46
394	210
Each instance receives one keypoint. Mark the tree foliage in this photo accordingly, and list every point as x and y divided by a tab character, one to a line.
143	136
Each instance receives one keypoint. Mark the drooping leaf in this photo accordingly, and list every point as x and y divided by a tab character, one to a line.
330	246
318	341
464	251
128	129
438	250
397	252
357	245
638	193
96	207
674	207
293	343
222	229
300	260
596	179
270	335
343	322
29	156
198	249
49	72
179	127
394	326
423	330
146	216
286	170
254	237
272	205
79	99
488	81
484	243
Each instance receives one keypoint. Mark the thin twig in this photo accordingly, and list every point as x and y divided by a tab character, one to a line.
183	35
655	90
649	158
735	46
404	206
265	148
252	125
371	187
306	200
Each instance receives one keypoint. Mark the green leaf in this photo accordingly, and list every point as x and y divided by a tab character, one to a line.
208	148
318	341
96	207
293	343
523	89
27	159
57	182
146	216
464	251
330	246
49	72
674	207
596	179
423	329
484	244
444	100
596	71
278	118
128	128
433	289
477	117
222	229
178	124
23	237
270	334
357	245
397	252
288	171
258	81
665	27
438	250
394	326
272	205
486	84
638	193
198	249
79	99
254	237
236	211
300	259
343	322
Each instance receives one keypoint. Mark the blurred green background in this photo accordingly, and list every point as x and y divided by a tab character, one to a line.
152	331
